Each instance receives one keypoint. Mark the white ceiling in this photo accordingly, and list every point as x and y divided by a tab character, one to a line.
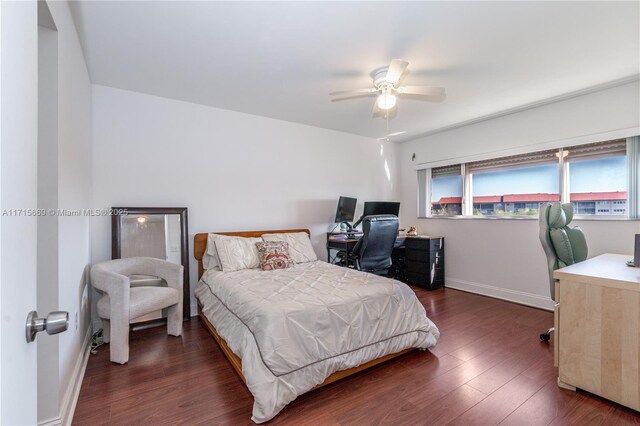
281	59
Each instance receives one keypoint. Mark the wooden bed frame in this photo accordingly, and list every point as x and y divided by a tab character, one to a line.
200	246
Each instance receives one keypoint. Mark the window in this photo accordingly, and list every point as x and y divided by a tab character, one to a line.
600	179
514	192
515	185
446	191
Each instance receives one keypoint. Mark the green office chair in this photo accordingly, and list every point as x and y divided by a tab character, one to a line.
563	245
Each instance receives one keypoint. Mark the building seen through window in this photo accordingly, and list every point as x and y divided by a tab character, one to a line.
591	203
599	186
446	196
515	191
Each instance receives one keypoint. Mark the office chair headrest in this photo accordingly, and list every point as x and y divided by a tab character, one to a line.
560	215
380	218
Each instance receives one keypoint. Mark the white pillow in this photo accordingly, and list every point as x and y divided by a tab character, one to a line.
300	248
235	253
210	258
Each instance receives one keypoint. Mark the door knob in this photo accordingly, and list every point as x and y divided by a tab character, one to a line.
56	322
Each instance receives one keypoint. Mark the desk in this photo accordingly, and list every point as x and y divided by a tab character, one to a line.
415	260
337	242
597	320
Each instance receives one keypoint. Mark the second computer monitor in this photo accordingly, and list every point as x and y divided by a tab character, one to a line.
380	207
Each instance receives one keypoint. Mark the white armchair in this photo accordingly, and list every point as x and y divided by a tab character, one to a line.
121	303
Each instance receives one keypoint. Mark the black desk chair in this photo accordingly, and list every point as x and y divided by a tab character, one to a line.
372	253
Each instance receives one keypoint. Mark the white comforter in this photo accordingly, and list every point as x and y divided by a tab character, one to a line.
293	328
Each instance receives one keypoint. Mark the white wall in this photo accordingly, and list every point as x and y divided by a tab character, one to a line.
233	171
503	258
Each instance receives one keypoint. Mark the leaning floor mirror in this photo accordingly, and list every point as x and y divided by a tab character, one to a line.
152	232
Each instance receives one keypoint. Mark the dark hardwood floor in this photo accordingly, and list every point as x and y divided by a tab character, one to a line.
489	367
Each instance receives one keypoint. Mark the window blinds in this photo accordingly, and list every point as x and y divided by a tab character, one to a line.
539	158
574	153
438	172
593	151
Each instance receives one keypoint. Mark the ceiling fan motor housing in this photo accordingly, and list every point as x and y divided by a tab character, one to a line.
379	78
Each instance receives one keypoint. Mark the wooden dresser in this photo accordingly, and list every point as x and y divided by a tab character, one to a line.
597	320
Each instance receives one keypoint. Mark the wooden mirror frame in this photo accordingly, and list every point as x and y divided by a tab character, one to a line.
116	239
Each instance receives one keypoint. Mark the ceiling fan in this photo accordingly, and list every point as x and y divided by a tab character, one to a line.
387	89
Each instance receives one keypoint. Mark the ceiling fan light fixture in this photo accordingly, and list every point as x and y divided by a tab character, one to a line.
386	100
388	87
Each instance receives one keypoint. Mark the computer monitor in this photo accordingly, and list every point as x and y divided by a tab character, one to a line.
379	207
346	210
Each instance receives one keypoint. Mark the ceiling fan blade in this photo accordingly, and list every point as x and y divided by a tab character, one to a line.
375	111
422	90
436	94
353	92
395	71
355	96
427	98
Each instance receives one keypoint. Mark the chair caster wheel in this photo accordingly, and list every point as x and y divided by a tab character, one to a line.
545	337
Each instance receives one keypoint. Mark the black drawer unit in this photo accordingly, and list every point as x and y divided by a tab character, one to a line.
424	262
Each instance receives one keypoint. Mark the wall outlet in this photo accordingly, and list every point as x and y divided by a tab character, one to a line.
76	320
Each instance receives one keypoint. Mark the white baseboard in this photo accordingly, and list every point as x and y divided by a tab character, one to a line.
73	391
509	295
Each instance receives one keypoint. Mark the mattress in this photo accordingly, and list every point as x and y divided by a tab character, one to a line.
293	328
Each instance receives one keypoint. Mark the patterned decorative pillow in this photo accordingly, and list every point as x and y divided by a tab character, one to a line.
300	248
274	255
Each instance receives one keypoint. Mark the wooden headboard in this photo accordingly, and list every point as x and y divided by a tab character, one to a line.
200	241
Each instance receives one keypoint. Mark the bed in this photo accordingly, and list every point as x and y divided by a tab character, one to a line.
289	331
